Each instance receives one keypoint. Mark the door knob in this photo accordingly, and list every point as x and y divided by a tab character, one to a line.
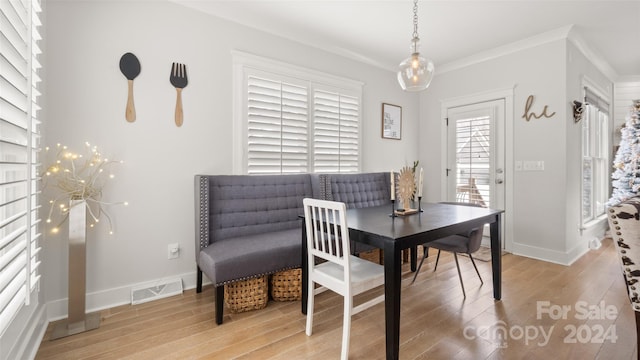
499	181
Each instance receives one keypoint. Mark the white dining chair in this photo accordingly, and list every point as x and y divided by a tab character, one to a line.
341	272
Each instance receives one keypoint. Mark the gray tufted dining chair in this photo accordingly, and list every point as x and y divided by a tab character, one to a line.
466	243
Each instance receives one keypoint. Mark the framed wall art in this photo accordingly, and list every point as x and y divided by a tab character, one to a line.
391	121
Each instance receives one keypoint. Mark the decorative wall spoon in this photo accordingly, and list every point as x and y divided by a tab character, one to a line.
130	67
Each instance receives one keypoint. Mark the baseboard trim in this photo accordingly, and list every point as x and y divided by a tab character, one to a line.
106	299
556	257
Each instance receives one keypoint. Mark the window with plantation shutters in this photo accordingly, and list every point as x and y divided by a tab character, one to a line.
335	132
595	156
19	141
277	127
290	119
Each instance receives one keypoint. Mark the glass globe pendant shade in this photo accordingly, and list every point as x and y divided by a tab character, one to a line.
415	72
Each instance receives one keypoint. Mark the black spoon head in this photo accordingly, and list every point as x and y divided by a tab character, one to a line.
130	66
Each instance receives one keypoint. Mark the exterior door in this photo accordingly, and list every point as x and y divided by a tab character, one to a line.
476	155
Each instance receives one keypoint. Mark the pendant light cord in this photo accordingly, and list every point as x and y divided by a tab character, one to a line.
416	38
415	19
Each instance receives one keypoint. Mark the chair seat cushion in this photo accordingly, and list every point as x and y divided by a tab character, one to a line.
453	243
249	256
364	274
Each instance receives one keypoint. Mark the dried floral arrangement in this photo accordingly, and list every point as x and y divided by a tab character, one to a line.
78	177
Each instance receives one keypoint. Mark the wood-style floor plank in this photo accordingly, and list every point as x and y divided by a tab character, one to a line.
437	322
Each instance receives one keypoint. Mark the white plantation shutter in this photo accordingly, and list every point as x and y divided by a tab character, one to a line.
335	132
277	127
19	141
290	119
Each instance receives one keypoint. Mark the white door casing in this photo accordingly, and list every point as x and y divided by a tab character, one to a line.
477	146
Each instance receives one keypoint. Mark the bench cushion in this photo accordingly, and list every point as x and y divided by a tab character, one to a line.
249	256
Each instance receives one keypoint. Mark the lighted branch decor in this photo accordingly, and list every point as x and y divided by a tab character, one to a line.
79	177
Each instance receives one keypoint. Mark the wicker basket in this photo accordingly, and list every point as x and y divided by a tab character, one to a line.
374	255
251	294
377	256
286	285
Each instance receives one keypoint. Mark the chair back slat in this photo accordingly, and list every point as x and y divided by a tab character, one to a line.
327	233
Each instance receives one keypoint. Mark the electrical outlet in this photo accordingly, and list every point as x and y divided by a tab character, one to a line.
173	251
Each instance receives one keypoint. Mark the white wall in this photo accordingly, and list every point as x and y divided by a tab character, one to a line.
544	203
85	101
579	71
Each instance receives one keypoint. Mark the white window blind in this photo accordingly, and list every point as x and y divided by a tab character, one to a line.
335	132
595	162
290	119
19	141
277	128
473	159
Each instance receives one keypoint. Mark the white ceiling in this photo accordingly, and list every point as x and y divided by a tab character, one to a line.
379	31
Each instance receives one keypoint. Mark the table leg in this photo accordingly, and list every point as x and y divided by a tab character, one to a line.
305	274
414	258
496	256
392	282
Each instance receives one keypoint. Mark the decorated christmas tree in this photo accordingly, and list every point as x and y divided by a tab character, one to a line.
626	164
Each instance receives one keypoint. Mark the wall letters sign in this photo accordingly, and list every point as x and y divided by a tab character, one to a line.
529	114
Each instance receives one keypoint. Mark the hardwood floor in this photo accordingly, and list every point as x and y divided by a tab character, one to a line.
437	322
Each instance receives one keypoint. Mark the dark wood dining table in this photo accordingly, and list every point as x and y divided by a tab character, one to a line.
375	226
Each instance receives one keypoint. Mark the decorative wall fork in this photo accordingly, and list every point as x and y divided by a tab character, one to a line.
178	79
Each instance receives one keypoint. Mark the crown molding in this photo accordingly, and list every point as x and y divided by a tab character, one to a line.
536	40
568	32
596	59
629	79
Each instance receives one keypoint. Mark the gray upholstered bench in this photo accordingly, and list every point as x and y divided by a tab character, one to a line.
249	226
358	191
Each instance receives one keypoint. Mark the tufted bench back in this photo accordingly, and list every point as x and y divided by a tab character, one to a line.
624	222
359	190
248	205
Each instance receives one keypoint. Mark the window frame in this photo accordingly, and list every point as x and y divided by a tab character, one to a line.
20	80
595	151
246	64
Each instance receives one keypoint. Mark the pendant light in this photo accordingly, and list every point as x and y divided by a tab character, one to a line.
415	72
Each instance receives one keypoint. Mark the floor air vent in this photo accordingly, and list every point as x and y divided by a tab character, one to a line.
155	290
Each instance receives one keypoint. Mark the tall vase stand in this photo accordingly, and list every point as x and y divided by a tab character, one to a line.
77	320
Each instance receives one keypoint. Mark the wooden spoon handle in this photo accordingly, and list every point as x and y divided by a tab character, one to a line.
130	113
179	115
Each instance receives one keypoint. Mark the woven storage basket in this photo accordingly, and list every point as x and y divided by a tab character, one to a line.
245	295
286	285
377	256
374	255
